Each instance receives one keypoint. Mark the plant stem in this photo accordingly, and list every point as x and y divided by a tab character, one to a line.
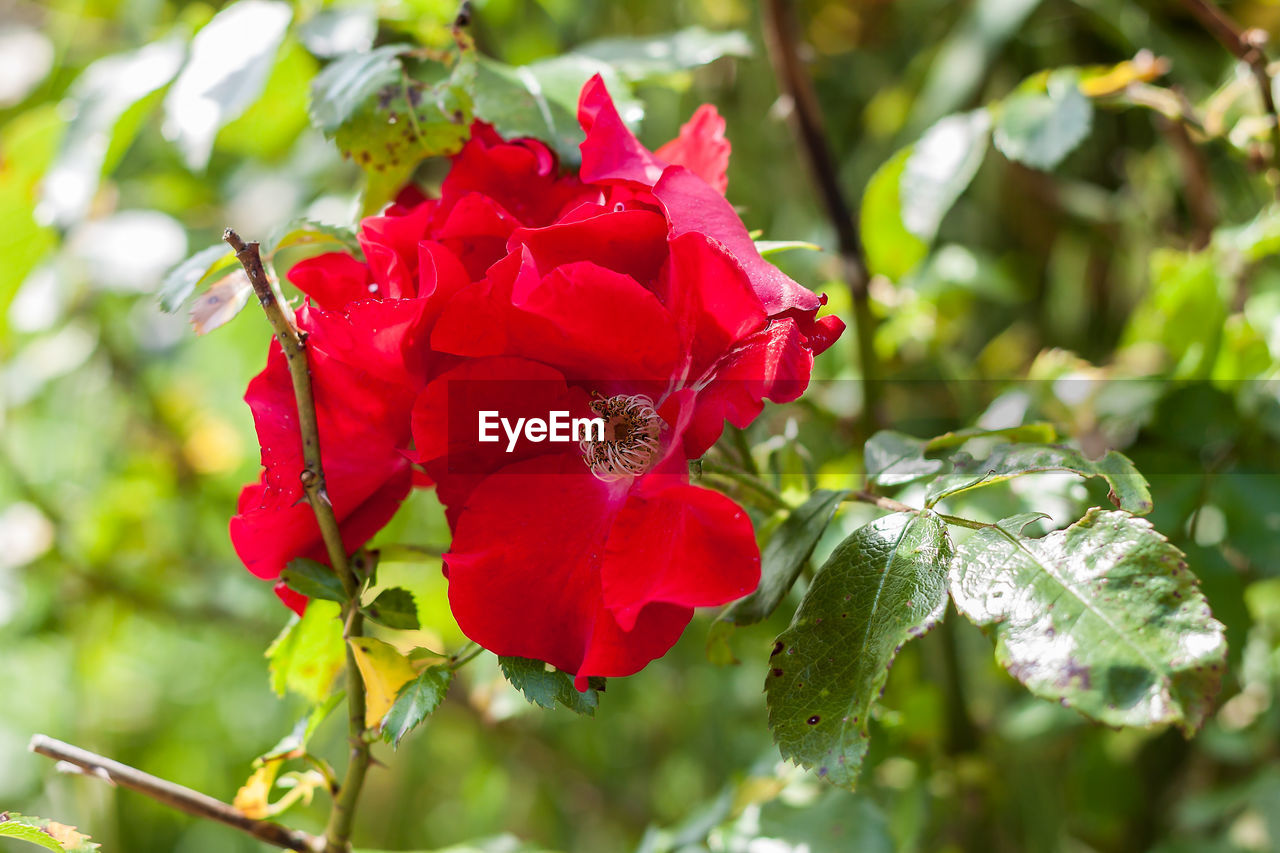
794	82
172	794
742	478
338	831
891	505
1246	45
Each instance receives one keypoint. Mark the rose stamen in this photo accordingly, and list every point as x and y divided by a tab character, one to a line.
631	438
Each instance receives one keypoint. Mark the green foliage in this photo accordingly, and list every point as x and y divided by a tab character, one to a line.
312	579
1103	616
785	556
882	586
1040	128
45	833
394	608
648	57
308	654
415	702
548	687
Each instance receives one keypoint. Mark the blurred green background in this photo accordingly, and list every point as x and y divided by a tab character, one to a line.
127	625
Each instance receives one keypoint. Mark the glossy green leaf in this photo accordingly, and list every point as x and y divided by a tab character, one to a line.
941	165
1104	617
231	60
312	579
415	702
1034	433
182	280
895	459
309	653
1128	488
394	608
548	687
644	57
882	586
1040	128
785	556
347	82
541	99
891	249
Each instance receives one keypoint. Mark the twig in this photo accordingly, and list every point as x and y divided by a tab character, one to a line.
890	505
1197	184
173	795
1246	45
780	38
338	831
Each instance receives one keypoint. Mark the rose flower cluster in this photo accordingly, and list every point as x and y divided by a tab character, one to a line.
630	292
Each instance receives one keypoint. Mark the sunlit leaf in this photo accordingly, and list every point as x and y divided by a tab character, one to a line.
1128	488
308	655
312	579
341	30
394	608
231	59
541	99
98	98
941	165
347	82
384	671
306	232
643	57
891	249
45	833
220	302
1104	617
415	702
785	556
548	687
882	586
1039	129
182	280
1033	433
294	743
23	832
895	459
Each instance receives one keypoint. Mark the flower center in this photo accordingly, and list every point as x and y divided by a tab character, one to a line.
630	445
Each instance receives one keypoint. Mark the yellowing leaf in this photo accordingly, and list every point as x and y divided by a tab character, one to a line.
384	671
254	797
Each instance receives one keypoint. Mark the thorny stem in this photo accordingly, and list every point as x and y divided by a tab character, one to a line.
172	794
1246	45
794	82
338	831
890	505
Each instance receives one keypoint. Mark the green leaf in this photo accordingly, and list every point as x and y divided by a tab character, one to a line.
98	99
231	60
541	99
10	828
1129	489
548	687
1104	617
882	586
895	459
312	579
1033	433
891	249
785	557
394	608
182	280
645	57
1040	128
305	232
427	114
941	165
309	653
347	82
415	702
45	833
776	247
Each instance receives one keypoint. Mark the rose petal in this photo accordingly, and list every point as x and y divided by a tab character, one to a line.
701	148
